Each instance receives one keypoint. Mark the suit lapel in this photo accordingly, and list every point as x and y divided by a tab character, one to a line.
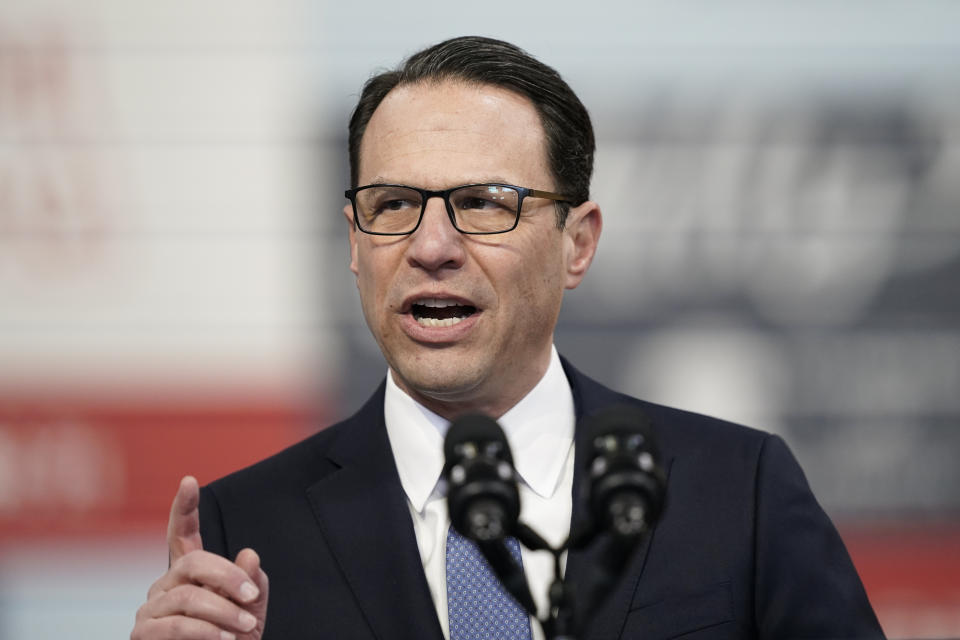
362	510
589	397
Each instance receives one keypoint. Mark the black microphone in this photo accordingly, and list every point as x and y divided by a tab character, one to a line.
482	496
627	484
625	489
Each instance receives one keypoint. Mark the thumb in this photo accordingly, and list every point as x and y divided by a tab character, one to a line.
183	529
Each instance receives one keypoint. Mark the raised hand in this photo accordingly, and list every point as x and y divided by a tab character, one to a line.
202	596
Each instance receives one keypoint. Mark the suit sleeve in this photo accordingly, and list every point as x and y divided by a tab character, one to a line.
806	584
211	524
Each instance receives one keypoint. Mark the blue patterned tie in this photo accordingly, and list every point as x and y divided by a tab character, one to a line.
478	606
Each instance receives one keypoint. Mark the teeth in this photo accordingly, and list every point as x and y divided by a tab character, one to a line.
437	303
435	322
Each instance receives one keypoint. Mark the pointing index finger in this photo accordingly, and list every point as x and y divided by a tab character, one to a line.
183	529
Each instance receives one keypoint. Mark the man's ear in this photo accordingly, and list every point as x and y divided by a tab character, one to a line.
581	235
348	214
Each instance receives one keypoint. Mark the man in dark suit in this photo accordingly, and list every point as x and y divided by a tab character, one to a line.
468	218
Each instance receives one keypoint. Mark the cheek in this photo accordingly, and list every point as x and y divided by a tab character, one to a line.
539	286
550	271
367	279
377	276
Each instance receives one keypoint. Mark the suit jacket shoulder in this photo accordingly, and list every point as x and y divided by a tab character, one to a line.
742	548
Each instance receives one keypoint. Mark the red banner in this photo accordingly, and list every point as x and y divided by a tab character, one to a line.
71	468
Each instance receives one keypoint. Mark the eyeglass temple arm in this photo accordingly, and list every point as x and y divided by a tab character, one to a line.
548	194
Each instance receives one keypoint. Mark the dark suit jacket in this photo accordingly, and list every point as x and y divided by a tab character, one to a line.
742	549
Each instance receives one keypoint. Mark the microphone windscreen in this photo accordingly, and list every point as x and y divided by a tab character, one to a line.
627	485
482	495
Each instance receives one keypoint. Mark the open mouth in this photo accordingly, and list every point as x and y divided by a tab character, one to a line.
436	312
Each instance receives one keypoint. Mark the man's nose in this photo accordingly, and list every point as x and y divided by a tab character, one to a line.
436	244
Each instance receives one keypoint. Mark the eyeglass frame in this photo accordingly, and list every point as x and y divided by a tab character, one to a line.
444	194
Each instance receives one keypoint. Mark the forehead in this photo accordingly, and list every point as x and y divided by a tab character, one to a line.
444	133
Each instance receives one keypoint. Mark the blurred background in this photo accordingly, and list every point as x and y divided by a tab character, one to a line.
781	189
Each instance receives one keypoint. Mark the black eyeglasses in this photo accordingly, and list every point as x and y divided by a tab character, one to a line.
396	210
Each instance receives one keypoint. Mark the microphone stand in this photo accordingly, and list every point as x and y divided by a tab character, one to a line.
562	621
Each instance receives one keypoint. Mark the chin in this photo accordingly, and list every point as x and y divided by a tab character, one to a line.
444	381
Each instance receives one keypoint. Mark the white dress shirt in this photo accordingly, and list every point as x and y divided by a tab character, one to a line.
539	429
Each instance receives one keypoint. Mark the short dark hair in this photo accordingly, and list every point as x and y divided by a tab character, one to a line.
478	60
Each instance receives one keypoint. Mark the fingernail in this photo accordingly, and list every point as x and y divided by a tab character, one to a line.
247	621
248	592
226	635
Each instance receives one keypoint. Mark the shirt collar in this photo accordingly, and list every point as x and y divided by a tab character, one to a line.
539	429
